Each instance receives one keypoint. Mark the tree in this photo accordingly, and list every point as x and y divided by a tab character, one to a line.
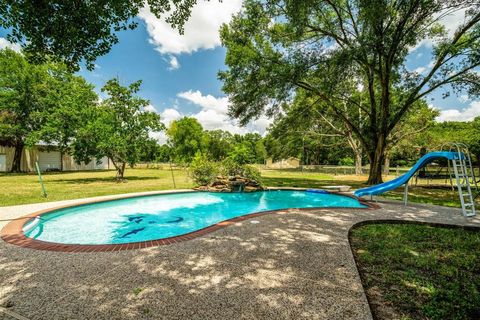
117	128
474	140
67	107
443	133
273	147
253	142
38	102
164	153
405	135
306	118
328	47
242	154
218	143
185	137
151	152
22	86
72	31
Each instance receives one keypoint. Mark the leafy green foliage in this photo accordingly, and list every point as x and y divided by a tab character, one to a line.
185	136
22	87
423	272
39	103
118	128
229	167
305	132
218	144
252	173
203	171
347	161
349	56
241	154
73	31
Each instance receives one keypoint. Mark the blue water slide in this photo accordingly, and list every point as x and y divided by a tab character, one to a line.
397	182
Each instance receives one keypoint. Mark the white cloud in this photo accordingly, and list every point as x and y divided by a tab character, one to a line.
213	114
4	43
420	70
174	64
161	136
466	114
208	102
168	115
150	108
464	98
201	29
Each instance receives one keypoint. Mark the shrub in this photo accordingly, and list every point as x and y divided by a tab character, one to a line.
347	161
242	154
230	167
203	171
252	173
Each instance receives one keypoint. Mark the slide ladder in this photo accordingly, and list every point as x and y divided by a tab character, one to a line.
458	157
465	178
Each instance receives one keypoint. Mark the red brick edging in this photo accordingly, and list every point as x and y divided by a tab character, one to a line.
13	232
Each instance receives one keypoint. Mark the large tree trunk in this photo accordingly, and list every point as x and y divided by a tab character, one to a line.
120	168
376	162
17	157
386	164
358	161
357	151
120	172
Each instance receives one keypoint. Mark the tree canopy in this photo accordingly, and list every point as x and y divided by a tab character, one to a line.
38	103
118	128
186	139
72	31
331	48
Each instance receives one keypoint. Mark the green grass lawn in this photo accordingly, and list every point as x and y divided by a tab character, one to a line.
24	188
414	271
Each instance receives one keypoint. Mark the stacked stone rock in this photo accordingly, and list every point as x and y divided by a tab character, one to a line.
231	184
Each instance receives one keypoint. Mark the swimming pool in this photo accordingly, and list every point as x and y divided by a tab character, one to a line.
167	215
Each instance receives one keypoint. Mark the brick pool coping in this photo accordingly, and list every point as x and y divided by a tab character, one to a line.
12	233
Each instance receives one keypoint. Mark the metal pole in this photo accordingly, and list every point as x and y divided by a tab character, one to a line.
405	195
173	177
44	192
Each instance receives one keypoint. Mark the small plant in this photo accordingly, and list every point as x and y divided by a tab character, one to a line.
241	154
137	291
231	168
347	161
202	171
252	173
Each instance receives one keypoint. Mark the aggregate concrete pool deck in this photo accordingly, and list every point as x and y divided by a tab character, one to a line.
291	265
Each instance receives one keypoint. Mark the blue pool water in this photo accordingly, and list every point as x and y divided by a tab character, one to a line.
162	216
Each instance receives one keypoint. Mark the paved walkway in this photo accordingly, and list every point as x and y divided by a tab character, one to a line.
291	265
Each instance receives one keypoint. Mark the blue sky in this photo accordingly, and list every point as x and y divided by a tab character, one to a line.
134	58
179	73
